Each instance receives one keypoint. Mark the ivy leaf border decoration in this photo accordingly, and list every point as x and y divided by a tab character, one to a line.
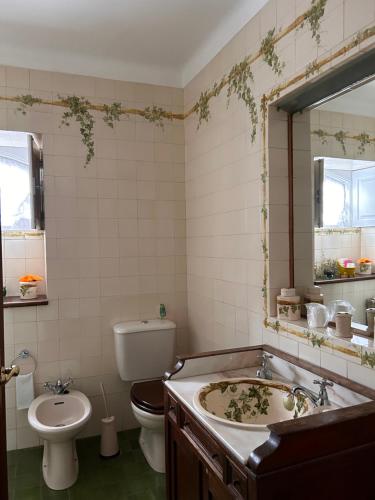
238	81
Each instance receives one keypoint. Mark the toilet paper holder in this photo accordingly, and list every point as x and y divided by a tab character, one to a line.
23	355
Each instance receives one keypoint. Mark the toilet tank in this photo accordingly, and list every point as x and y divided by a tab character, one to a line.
144	349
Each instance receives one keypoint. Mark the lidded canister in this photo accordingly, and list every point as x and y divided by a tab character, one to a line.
343	324
289	305
370	316
313	294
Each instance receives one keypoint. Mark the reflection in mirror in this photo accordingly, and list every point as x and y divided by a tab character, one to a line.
342	134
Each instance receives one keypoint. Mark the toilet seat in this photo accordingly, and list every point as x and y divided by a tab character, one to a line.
148	396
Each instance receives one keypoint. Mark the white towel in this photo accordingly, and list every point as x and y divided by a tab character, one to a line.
24	390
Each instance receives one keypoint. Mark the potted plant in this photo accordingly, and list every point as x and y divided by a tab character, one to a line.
29	286
364	266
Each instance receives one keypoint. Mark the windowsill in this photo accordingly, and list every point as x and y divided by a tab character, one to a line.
357	340
15	301
22	233
363	277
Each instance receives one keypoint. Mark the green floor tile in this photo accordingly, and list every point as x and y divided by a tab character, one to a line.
126	477
27	494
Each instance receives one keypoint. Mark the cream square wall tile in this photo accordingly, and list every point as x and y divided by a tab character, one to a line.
223	202
99	221
116	230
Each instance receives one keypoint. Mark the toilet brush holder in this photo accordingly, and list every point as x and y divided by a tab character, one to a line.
109	446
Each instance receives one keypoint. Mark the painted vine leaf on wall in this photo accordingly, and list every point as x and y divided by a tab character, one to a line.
79	109
313	17
238	82
112	113
202	108
267	48
312	68
321	134
363	138
315	339
368	358
155	114
27	100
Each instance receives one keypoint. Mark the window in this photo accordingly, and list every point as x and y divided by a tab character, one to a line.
344	192
336	200
21	178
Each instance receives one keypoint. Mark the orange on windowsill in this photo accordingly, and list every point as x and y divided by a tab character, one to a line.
30	278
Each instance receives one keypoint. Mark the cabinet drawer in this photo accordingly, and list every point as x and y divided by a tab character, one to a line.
206	444
236	480
172	408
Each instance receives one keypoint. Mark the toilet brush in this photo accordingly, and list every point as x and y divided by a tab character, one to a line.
109	446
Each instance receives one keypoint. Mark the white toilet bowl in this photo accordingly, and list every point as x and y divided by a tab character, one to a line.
151	439
147	400
58	419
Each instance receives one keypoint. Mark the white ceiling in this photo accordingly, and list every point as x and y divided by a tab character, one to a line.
360	101
164	42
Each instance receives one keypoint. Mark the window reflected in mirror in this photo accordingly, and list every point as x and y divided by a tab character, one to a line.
342	138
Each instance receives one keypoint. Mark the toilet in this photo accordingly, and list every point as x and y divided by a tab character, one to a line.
58	418
144	352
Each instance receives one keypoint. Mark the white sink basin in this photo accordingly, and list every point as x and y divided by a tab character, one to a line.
251	403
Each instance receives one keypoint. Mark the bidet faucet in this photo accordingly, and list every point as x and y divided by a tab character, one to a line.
320	399
264	371
59	387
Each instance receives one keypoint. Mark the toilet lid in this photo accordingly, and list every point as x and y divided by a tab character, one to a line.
149	396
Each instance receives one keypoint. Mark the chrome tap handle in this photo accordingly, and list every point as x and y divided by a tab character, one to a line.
324	383
264	371
264	357
323	395
69	381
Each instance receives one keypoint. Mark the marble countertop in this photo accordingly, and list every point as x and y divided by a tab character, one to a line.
240	442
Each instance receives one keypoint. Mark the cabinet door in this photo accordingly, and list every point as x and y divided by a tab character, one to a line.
216	489
185	468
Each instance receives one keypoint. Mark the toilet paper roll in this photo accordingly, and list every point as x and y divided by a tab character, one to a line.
109	446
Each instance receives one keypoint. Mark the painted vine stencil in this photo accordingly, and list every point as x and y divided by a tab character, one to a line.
315	339
238	82
341	137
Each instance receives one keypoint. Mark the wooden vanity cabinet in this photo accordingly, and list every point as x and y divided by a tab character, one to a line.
324	456
197	467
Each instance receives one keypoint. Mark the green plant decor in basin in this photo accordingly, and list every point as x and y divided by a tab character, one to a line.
250	402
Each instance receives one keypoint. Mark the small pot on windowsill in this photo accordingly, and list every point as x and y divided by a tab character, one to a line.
364	268
29	286
28	290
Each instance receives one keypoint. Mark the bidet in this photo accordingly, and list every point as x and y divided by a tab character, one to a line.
58	418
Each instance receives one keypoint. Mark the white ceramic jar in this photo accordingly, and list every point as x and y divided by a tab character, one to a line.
288	305
28	290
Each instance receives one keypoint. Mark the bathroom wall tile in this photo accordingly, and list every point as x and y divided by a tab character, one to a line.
123	266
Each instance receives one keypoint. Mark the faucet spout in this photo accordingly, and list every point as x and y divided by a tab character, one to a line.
307	393
320	399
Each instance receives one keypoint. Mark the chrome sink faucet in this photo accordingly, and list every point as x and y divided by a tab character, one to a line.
320	399
264	371
59	387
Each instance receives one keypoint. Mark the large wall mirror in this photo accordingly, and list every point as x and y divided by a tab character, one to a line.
334	236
